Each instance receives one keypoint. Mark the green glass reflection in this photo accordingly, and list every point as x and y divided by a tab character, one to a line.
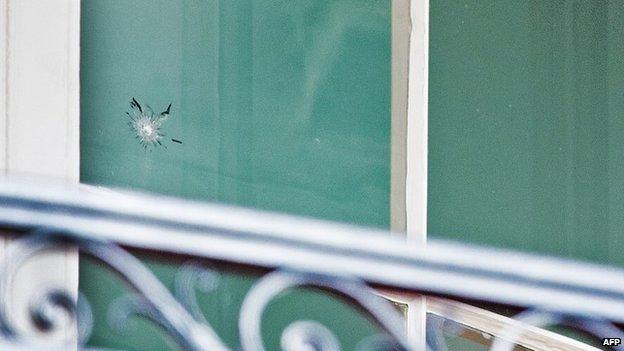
526	125
220	307
281	105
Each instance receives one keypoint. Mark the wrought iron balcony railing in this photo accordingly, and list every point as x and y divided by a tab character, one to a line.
293	252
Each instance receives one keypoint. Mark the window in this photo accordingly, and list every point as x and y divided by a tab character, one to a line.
277	105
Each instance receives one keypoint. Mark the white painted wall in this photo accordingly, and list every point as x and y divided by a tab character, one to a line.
39	117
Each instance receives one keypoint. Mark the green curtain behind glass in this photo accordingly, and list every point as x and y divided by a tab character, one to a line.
281	105
526	125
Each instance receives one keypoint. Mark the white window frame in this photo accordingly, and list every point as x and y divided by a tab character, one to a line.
409	133
409	129
39	134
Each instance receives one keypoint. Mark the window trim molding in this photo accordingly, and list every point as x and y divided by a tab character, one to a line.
408	194
39	116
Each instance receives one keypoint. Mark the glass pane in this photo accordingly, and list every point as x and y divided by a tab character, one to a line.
526	127
280	105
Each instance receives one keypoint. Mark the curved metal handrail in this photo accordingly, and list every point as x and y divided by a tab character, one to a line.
273	241
253	237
